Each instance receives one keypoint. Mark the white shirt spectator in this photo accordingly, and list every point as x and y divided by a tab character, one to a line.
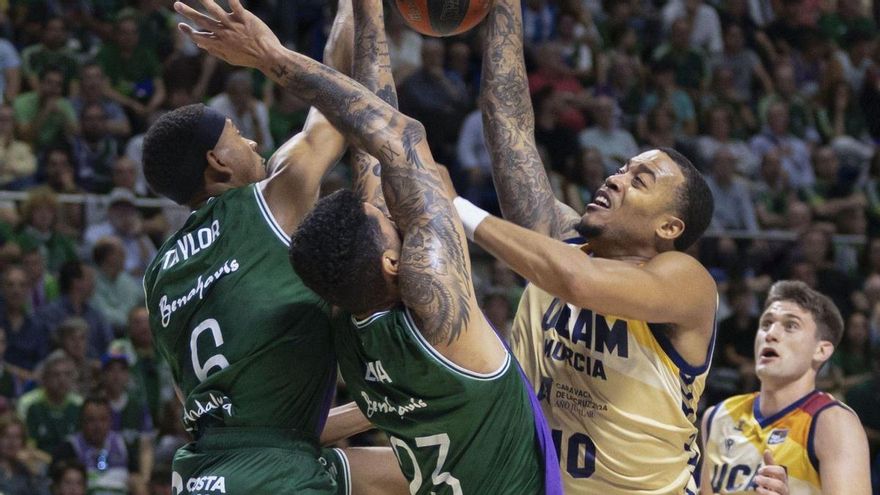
471	148
705	27
9	59
251	126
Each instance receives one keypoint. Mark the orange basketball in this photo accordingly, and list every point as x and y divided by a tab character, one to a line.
443	17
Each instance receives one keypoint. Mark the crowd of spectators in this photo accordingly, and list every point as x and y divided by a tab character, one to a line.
775	101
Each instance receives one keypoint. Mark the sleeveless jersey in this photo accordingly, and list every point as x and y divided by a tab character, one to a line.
620	400
737	436
454	432
248	344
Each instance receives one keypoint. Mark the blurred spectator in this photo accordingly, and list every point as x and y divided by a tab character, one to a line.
27	342
687	63
155	26
16	477
61	179
584	179
793	152
52	51
475	163
437	101
539	21
133	69
95	151
666	92
44	117
552	72
68	478
558	140
116	292
93	90
10	71
815	248
248	114
659	127
77	287
12	378
851	362
743	63
43	285
111	465
17	161
125	174
706	33
624	82
800	113
172	434
130	415
72	337
864	399
718	136
152	376
871	189
855	57
40	228
849	16
576	50
51	411
615	144
840	114
287	113
404	46
125	222
830	196
723	93
733	201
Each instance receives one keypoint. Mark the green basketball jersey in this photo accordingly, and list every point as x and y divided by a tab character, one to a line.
454	431
247	342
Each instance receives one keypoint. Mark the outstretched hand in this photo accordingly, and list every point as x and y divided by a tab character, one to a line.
772	479
238	37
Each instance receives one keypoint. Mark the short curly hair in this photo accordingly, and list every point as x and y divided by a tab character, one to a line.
337	252
169	169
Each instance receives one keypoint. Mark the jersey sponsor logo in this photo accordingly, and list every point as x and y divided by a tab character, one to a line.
727	478
387	407
777	436
191	244
211	405
376	373
206	484
167	309
575	400
592	330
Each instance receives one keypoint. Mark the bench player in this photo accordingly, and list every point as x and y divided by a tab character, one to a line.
789	438
616	335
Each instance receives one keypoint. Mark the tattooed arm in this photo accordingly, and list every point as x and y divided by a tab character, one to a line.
434	269
298	166
372	68
524	190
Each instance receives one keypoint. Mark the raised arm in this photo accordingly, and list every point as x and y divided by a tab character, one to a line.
524	190
372	68
299	165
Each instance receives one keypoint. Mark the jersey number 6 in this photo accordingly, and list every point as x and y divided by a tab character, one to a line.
217	360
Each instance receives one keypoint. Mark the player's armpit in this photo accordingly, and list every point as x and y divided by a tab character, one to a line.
342	422
842	450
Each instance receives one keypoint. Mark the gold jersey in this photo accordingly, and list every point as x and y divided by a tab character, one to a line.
620	401
737	436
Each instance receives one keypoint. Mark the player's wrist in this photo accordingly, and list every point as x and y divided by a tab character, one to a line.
471	215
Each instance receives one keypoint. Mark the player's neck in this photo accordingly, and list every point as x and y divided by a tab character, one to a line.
612	251
776	397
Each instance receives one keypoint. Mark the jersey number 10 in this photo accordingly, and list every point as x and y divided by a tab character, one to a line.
577	443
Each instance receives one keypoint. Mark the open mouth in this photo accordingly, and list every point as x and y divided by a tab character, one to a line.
601	200
769	354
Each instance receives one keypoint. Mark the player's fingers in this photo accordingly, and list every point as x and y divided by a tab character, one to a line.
777	472
237	7
202	39
213	9
768	458
197	18
771	484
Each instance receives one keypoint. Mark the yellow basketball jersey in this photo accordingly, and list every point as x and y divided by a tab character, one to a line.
620	401
738	435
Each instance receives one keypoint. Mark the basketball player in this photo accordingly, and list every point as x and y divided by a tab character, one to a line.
616	335
248	343
422	362
789	437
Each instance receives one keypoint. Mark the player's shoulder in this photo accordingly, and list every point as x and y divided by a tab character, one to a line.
735	405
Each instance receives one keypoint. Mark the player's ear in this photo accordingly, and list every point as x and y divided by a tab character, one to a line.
217	170
824	350
671	228
391	262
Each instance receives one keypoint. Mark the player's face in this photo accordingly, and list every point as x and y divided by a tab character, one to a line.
634	202
240	155
787	344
